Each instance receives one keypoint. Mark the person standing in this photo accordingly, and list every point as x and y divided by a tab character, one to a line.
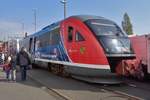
13	67
3	58
23	60
7	68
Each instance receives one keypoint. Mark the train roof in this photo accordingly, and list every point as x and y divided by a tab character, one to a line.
52	25
80	17
87	17
47	28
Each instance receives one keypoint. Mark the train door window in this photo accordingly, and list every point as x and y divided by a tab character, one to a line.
79	37
70	34
30	45
34	44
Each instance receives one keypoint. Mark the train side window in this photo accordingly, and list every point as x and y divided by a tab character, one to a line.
79	37
55	36
70	34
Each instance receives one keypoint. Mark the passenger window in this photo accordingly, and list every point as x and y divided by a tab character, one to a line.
55	36
79	37
70	34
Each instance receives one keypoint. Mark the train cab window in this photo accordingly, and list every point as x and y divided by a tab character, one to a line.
103	27
70	34
79	37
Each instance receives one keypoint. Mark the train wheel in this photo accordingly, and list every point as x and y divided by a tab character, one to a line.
64	73
49	67
35	66
54	68
59	70
144	68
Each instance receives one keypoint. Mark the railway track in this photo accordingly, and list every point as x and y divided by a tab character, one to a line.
145	85
130	97
50	91
133	90
105	87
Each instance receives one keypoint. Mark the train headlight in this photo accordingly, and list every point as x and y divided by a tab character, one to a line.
115	42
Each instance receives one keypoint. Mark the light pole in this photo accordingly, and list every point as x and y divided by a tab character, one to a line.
64	2
22	27
35	19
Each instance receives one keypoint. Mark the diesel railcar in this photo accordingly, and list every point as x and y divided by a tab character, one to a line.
87	47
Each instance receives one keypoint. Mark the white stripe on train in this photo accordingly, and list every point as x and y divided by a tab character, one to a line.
75	64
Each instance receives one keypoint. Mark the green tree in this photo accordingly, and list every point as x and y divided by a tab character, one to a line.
126	24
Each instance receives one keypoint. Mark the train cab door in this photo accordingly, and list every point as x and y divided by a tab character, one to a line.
76	44
70	43
81	46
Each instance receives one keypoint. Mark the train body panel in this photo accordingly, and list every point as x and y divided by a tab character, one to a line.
141	45
83	48
84	45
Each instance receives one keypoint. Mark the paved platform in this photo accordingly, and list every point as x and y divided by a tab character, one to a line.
2	74
22	90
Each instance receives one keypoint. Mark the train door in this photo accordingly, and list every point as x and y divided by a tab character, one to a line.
71	47
34	45
76	44
30	45
80	46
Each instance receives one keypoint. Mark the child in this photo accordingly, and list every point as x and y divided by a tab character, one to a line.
7	68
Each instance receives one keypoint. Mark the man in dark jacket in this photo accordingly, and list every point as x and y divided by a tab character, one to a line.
23	60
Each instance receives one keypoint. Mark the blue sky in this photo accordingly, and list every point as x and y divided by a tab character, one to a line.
15	12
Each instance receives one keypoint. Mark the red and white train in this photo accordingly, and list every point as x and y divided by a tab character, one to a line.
89	48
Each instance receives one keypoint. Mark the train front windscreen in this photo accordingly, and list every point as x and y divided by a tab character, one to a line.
110	36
